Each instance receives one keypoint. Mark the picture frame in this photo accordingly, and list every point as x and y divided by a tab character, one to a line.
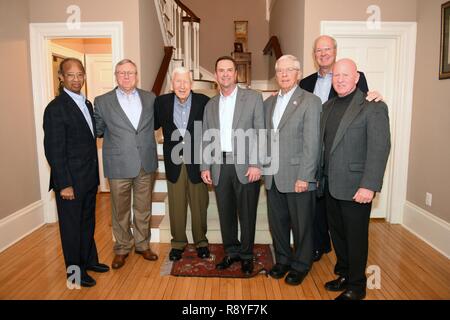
240	29
238	47
444	65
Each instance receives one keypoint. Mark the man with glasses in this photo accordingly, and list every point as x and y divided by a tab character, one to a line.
125	120
71	151
293	123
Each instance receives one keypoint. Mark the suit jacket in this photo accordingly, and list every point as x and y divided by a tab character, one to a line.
297	137
248	116
360	149
309	83
191	143
125	149
70	147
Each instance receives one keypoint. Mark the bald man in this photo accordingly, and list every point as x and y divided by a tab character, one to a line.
355	140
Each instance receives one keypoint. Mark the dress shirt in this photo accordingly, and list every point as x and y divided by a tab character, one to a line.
226	113
80	101
131	104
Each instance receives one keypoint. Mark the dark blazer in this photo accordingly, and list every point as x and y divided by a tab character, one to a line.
70	147
164	106
360	149
309	83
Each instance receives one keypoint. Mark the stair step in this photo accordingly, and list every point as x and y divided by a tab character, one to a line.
155	221
159	196
160	176
160	186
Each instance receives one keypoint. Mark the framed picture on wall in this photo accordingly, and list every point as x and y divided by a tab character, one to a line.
444	65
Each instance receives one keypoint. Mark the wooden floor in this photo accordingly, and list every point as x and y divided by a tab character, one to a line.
34	269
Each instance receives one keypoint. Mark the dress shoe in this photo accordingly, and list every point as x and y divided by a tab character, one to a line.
247	266
175	254
87	281
352	295
227	262
279	270
203	252
295	277
317	254
99	267
119	261
148	254
340	284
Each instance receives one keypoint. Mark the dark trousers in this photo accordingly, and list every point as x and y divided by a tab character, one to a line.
292	211
76	227
349	229
236	201
321	235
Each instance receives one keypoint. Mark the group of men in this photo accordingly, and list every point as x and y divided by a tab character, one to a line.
322	154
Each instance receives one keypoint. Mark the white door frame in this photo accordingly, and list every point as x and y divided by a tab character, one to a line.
405	35
40	33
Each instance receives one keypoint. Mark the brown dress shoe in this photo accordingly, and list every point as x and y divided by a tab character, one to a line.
119	261
148	254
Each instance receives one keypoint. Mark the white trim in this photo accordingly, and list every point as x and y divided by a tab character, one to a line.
161	23
429	228
405	35
40	33
206	75
15	227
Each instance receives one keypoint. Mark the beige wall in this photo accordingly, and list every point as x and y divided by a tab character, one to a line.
217	31
397	10
19	182
429	159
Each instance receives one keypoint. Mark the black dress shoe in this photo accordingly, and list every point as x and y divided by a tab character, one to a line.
352	295
175	254
203	252
317	254
295	277
340	284
99	267
247	266
87	281
279	270
227	262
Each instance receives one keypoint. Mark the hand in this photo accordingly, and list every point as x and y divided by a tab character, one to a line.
67	194
206	176
374	95
301	186
253	174
363	195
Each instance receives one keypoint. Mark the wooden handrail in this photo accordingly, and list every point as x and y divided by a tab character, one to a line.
159	81
193	17
273	44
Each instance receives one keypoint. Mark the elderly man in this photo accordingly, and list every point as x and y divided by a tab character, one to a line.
319	83
177	113
71	151
125	120
233	113
355	139
293	117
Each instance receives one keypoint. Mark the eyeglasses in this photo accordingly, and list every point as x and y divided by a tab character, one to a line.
324	50
126	73
72	76
287	70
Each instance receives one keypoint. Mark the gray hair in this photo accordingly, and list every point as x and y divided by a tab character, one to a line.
289	57
181	70
325	36
125	61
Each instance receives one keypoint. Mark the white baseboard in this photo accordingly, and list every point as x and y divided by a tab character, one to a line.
431	229
20	224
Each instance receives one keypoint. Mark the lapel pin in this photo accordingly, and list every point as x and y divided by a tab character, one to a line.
295	102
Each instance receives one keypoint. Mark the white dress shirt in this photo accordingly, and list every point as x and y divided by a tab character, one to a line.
323	86
80	101
131	104
280	107
226	113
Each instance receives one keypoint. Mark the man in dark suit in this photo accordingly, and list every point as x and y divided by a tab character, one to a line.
178	113
355	138
71	151
234	168
320	83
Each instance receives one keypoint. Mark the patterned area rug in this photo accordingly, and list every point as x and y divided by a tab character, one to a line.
192	266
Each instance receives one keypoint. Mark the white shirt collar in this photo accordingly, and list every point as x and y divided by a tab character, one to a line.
287	94
232	95
75	96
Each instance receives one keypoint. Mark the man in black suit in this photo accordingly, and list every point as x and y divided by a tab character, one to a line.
355	140
178	114
71	151
320	83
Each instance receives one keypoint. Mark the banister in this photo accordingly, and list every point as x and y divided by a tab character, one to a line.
273	44
159	81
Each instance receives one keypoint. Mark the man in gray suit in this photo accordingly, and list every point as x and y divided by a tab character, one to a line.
355	138
293	122
125	119
233	116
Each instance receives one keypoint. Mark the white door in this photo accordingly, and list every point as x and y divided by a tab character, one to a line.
376	58
100	79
